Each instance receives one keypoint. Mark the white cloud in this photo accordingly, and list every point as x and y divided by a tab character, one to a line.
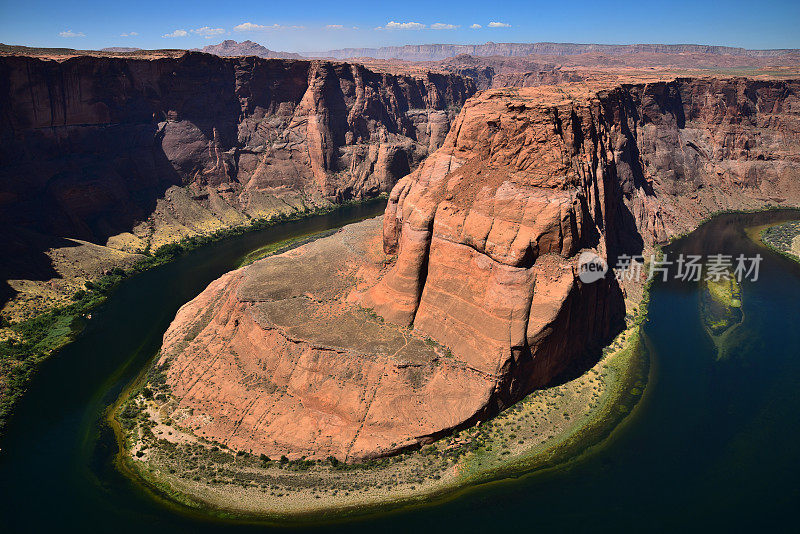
335	27
249	27
476	26
252	27
208	32
128	34
499	25
392	25
70	33
443	26
176	33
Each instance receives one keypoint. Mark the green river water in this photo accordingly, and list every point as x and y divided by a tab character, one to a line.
712	446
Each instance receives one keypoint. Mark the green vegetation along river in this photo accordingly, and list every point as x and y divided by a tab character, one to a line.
712	446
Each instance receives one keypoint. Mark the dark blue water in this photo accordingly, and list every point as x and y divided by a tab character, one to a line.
714	445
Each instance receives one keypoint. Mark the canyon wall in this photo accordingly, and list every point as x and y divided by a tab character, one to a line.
528	177
497	72
480	260
90	145
104	158
432	52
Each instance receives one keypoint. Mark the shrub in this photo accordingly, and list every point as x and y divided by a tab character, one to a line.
171	250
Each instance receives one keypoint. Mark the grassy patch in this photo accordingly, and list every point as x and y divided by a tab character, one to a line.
783	239
282	246
725	292
30	342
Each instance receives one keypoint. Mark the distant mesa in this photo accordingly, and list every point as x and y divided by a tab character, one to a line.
230	47
119	49
435	52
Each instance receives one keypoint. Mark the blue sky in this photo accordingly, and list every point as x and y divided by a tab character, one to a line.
311	25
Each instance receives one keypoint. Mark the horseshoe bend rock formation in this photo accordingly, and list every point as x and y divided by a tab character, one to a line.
477	250
279	358
527	176
275	358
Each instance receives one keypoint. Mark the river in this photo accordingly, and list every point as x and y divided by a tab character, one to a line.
712	445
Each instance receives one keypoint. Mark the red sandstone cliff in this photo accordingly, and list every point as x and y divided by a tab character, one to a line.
88	145
480	247
530	176
132	154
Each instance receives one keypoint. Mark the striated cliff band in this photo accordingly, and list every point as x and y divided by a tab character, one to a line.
121	156
432	52
465	297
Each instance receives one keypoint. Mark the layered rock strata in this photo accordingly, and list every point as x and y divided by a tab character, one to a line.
275	358
132	154
480	252
90	145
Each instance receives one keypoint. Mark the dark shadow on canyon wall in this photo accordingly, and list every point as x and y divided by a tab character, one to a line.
24	258
626	240
89	145
110	182
593	313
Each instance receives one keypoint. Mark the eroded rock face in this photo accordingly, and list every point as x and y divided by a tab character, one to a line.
134	154
486	234
529	177
511	71
689	148
478	249
90	145
276	358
